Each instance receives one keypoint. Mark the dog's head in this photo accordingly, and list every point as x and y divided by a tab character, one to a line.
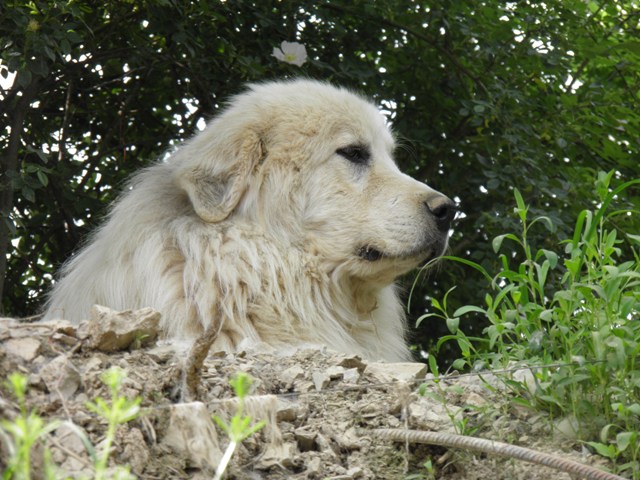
314	164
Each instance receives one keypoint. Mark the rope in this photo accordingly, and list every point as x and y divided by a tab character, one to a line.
493	448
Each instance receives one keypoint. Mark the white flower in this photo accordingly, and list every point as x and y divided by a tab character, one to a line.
291	52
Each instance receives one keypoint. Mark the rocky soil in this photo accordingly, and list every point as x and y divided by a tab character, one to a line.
321	409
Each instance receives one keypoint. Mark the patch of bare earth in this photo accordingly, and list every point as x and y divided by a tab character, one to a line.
321	409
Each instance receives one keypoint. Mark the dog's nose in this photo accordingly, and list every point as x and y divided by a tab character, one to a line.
443	210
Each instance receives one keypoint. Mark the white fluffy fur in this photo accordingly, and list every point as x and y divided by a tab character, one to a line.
257	223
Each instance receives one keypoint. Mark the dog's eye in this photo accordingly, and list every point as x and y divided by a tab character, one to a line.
355	153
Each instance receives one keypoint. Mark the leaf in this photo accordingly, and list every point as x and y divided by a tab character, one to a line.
459	364
468	308
624	439
632	46
42	177
551	256
607	451
634	238
425	316
433	366
522	207
497	241
29	194
453	324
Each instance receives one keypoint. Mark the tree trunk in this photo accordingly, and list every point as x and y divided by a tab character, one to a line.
17	108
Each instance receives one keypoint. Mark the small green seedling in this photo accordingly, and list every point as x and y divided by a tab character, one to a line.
240	426
119	411
23	432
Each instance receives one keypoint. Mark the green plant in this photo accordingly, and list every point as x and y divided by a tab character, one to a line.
117	412
24	431
28	427
575	313
239	428
428	474
460	422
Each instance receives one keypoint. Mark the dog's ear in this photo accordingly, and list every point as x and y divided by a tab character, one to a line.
216	176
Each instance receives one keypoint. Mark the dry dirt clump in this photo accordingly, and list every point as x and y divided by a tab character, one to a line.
320	408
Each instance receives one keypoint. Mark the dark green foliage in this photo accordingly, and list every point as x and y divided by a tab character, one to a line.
484	96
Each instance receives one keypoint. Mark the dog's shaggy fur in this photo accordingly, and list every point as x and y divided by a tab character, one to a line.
285	222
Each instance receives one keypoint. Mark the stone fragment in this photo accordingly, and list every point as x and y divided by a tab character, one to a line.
335	372
282	455
110	331
320	380
527	378
69	438
474	400
355	472
303	386
64	339
136	453
349	440
403	371
568	427
351	375
191	433
305	438
313	466
425	414
287	411
61	377
353	361
324	445
292	374
61	326
26	348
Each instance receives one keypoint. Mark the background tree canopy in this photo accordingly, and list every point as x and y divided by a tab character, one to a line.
484	97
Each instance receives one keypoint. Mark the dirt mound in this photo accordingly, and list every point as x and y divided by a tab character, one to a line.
321	409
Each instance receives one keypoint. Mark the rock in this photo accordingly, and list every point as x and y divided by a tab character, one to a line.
353	361
69	439
305	438
568	427
287	411
26	348
425	414
351	375
61	376
162	353
474	400
527	378
355	472
292	374
64	338
320	380
111	331
282	455
335	372
61	326
191	433
349	440
313	466
324	445
386	372
136	453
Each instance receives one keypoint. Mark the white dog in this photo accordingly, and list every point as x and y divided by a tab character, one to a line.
285	221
